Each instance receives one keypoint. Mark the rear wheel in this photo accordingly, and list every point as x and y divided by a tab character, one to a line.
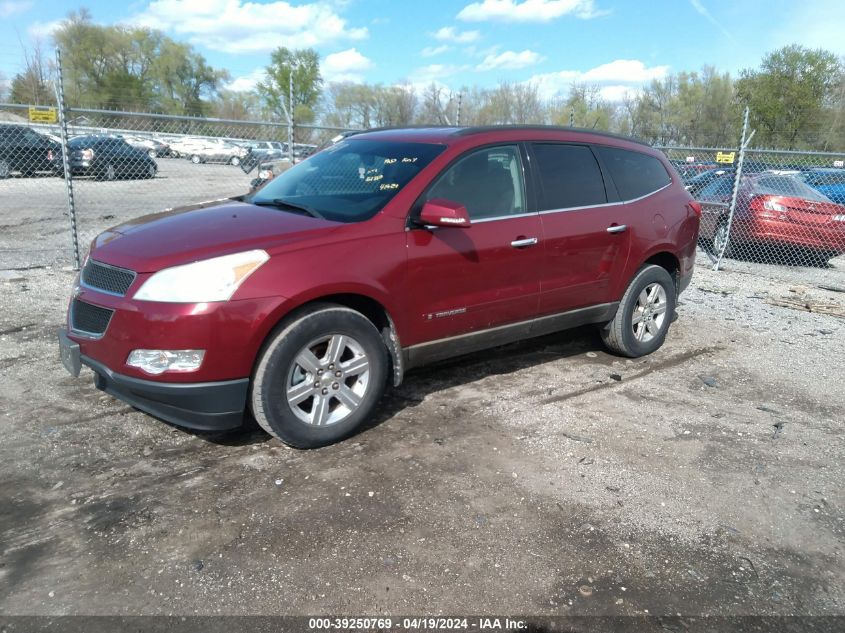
320	377
151	153
644	314
5	169
110	173
196	160
721	238
235	161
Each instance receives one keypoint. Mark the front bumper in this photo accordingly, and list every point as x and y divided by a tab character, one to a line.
204	406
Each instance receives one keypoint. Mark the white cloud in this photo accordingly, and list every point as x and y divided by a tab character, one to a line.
13	7
435	73
431	51
614	78
43	30
528	10
450	34
510	60
247	82
240	26
346	65
698	5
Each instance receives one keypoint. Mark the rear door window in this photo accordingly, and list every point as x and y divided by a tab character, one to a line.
635	174
570	176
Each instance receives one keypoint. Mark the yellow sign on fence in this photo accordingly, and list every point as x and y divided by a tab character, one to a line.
42	115
725	157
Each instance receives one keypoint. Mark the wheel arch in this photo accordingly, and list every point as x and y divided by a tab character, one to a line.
371	308
663	256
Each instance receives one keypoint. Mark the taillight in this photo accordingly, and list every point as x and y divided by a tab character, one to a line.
696	207
88	154
49	154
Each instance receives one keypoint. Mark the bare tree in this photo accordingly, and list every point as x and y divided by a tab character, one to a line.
34	85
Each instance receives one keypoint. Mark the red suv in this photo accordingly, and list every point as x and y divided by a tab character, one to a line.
300	301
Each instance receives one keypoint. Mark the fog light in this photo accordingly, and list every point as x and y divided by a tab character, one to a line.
158	361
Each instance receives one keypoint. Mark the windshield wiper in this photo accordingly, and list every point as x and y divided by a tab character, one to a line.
281	203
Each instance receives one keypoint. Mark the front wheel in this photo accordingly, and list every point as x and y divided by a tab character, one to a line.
196	160
644	314
320	377
235	161
5	169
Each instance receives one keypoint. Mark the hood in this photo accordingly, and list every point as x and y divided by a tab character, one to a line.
210	229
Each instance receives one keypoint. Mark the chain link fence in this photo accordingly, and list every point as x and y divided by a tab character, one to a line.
123	165
772	212
65	179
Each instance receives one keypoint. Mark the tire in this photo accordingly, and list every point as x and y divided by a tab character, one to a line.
151	153
110	173
720	235
235	161
295	416
152	170
630	332
5	169
196	160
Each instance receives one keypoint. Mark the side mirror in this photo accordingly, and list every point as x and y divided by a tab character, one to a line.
440	212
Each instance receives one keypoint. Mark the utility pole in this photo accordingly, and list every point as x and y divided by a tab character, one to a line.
458	116
572	118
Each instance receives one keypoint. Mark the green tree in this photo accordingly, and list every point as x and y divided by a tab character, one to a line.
304	65
131	68
788	95
585	106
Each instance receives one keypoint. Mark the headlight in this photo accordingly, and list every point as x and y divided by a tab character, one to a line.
204	281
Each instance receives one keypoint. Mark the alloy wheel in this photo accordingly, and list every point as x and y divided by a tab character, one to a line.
720	238
327	380
649	314
4	169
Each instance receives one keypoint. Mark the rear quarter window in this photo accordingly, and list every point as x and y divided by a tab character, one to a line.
635	174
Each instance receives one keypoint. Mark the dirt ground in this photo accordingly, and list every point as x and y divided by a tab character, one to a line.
541	478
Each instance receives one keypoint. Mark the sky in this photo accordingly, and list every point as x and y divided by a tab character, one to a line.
616	44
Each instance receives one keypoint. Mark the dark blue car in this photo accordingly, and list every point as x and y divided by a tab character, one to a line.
830	182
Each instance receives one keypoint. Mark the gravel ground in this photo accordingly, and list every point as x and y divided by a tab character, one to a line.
546	477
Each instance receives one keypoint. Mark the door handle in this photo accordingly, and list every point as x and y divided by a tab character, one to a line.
617	228
523	242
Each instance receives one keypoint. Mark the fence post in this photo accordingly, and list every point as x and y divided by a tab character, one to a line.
735	191
71	207
290	114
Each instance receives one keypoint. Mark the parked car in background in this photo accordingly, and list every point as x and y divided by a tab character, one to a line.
697	183
217	152
772	210
153	147
184	146
108	158
268	170
828	181
390	250
25	151
259	152
688	171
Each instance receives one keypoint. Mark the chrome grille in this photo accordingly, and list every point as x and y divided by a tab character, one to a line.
107	278
89	319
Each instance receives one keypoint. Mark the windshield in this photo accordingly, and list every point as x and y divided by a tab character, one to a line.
350	181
